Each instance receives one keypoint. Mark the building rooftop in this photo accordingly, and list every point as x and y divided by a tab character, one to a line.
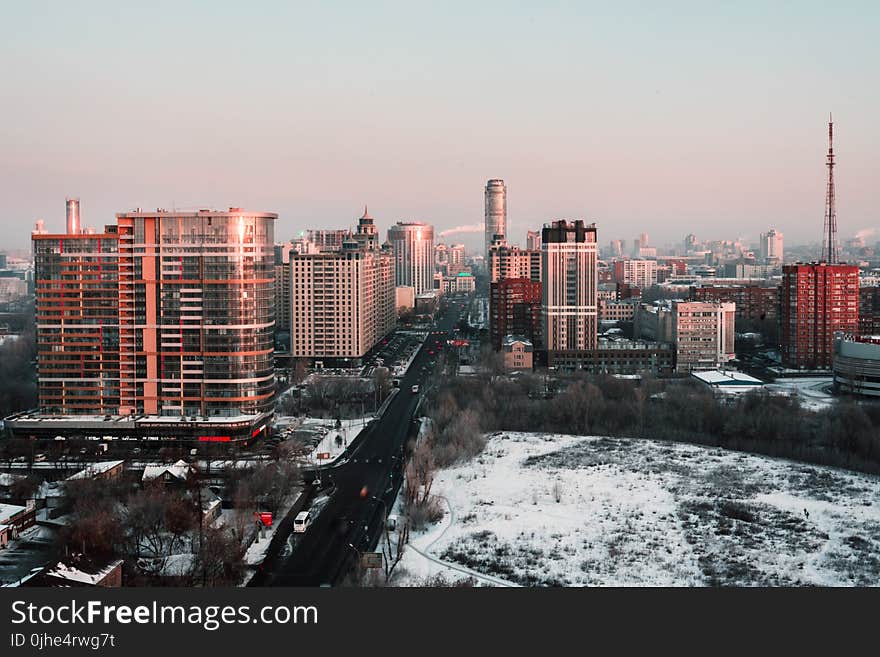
7	511
95	469
727	379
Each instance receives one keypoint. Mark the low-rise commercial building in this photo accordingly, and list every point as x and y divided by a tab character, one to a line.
856	364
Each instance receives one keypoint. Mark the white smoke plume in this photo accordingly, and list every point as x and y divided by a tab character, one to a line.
865	233
470	228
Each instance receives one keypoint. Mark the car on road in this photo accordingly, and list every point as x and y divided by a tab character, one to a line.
415	389
301	522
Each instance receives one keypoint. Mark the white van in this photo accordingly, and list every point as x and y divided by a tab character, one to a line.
301	522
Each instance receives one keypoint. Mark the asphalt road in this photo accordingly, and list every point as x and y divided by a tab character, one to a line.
363	486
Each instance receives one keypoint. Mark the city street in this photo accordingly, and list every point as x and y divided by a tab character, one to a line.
363	485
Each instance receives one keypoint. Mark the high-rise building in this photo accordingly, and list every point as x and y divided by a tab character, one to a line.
282	292
533	240
441	258
342	302
457	259
703	333
772	247
496	212
869	311
816	300
413	246
328	239
515	309
162	314
507	261
569	308
640	273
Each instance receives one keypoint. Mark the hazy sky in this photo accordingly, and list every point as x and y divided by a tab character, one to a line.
664	117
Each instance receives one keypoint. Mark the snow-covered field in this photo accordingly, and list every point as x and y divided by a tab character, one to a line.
538	509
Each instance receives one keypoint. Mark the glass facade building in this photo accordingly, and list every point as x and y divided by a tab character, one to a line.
166	313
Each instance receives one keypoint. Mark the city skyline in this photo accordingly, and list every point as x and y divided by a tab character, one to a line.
370	109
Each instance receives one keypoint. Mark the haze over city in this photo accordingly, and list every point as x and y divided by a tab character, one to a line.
637	117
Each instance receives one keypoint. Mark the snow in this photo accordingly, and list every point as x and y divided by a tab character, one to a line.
646	513
179	470
95	469
348	432
812	392
73	574
7	511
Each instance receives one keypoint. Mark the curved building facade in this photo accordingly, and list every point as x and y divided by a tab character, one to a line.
856	365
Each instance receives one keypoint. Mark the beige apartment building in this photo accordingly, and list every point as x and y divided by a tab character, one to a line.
507	261
703	334
569	272
343	302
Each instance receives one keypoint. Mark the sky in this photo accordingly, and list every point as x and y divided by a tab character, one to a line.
667	118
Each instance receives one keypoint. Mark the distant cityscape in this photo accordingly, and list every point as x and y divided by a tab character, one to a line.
156	353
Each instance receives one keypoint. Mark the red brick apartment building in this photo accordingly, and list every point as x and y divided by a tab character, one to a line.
816	300
515	309
752	302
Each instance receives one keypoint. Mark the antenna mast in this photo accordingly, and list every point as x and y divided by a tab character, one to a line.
829	237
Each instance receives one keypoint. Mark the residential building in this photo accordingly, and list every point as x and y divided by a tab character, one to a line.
569	308
816	301
517	352
327	239
772	247
533	240
515	309
507	261
869	310
343	302
640	273
703	333
753	303
617	311
162	314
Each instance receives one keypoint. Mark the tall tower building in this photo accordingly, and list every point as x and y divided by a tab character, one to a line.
413	247
496	212
569	272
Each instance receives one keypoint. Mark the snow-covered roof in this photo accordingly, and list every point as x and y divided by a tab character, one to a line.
73	574
7	511
726	378
7	479
95	469
179	470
